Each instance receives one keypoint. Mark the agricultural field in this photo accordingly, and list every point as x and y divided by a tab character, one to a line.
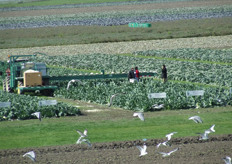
193	38
70	25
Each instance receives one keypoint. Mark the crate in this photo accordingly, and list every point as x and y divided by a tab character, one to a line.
32	79
143	25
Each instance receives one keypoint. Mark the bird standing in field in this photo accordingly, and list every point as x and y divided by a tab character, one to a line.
37	114
31	155
169	153
140	115
196	119
142	150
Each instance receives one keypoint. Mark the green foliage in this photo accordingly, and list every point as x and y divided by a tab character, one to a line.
206	73
22	106
191	54
59	71
134	96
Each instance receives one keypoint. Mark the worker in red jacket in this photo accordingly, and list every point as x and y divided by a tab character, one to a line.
136	74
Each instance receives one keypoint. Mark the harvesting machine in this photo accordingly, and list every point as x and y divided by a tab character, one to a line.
22	75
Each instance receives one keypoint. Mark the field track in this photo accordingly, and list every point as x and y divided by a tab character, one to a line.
125	47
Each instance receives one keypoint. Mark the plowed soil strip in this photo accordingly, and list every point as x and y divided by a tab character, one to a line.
191	150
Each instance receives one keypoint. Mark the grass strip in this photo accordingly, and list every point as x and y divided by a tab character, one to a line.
62	131
69	35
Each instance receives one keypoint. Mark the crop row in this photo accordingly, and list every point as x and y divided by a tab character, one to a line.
191	54
115	17
134	96
22	106
59	71
89	5
215	74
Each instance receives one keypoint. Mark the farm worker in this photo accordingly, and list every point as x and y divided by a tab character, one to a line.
8	71
164	73
136	74
131	75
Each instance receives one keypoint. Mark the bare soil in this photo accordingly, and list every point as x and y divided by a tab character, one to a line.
151	6
191	151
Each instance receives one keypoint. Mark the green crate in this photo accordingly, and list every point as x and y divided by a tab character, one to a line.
143	25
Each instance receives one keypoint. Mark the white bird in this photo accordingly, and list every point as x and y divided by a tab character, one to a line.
165	143
140	115
156	106
169	153
37	114
142	150
87	142
205	135
72	81
169	136
227	160
210	130
111	99
81	139
196	119
31	155
84	134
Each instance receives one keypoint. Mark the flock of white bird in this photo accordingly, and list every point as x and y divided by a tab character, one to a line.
142	149
203	136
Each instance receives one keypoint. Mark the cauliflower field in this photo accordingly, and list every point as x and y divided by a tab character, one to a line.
197	63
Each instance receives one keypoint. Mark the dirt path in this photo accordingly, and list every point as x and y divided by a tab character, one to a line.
191	151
